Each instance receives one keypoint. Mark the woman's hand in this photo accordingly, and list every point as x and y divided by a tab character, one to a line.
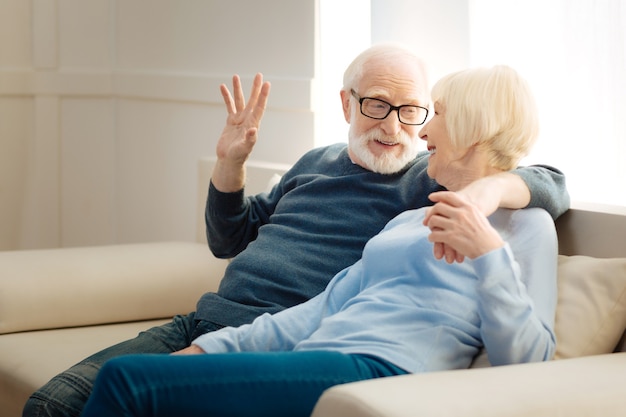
459	228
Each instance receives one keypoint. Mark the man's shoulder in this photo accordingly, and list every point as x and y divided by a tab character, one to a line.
322	156
328	151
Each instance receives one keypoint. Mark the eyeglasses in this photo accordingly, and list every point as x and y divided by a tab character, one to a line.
380	109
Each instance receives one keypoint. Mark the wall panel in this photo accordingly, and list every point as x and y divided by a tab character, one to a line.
40	220
85	33
218	37
15	115
120	99
45	31
88	172
159	144
15	34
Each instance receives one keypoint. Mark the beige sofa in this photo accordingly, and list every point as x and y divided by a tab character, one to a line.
587	377
58	306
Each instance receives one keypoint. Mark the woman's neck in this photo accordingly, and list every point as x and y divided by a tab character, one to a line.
472	166
467	175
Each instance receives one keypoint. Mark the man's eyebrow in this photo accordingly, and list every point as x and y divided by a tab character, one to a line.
384	95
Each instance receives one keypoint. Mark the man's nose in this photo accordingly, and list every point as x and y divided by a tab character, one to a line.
391	124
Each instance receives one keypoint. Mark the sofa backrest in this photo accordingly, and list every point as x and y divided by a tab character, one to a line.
586	229
593	230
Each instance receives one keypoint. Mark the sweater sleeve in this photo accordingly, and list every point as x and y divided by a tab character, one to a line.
518	296
269	332
547	188
233	220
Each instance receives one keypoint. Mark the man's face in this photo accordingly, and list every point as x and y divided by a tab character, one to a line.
385	146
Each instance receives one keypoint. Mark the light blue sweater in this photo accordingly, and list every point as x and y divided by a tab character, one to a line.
401	304
288	244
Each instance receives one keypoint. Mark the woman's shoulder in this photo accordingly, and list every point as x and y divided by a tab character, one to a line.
528	228
532	217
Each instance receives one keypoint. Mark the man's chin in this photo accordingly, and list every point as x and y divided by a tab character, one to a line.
385	163
380	158
392	168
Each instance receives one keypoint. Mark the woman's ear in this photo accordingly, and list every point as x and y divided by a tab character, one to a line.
345	104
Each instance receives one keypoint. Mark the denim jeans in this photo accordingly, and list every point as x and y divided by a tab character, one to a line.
65	395
259	384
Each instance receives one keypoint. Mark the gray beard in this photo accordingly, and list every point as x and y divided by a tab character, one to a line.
387	163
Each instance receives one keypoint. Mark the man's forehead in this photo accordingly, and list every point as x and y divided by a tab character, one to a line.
406	92
398	82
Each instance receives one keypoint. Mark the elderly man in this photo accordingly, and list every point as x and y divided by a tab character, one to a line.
289	243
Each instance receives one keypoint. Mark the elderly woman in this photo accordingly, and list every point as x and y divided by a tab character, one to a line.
398	310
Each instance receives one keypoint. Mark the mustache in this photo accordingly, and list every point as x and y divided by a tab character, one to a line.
401	137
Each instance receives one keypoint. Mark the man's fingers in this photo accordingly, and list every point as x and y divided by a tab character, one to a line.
236	102
448	197
240	100
228	99
257	83
445	202
251	136
263	96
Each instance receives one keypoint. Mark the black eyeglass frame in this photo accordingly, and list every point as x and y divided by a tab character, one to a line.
391	108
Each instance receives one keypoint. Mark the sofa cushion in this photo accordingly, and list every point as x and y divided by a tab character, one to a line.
591	309
30	359
581	387
69	287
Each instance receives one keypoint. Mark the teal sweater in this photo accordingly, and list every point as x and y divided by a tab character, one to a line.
401	304
315	223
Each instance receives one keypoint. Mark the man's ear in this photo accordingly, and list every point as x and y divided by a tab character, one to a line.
345	104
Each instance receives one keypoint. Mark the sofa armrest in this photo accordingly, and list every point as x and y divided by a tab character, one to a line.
68	287
587	386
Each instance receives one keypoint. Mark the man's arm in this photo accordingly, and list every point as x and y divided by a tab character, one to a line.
547	188
233	219
535	186
229	224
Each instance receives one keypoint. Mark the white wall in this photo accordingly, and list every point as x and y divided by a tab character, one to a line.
106	107
437	30
575	60
572	52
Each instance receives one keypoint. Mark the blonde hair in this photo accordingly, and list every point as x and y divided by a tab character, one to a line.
489	107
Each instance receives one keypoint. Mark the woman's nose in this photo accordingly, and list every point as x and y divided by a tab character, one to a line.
422	133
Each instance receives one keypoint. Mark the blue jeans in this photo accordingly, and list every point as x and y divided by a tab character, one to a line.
65	395
258	384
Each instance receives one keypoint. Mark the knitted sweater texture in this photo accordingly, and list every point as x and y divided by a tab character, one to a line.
401	304
315	223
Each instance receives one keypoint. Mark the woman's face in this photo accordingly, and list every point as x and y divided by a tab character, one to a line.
446	162
449	165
